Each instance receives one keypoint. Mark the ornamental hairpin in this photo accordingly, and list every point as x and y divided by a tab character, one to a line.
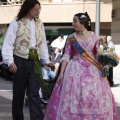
83	16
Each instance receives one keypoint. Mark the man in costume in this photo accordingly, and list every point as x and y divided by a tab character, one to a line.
24	44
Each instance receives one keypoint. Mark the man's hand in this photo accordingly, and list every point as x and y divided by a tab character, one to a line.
52	66
46	67
13	68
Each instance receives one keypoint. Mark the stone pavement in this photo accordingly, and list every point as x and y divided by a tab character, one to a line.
6	101
116	79
5	110
116	88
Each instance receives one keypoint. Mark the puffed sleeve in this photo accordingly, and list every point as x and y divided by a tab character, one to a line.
67	53
96	44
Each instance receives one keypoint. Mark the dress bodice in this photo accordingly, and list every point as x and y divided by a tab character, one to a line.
90	46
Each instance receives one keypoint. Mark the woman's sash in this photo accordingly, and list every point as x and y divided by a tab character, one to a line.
82	52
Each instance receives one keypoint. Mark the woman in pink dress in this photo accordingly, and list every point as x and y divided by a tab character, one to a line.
81	92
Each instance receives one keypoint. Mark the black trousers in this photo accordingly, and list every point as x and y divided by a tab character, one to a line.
25	77
110	77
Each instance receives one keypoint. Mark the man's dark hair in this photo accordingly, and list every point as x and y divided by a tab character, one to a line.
26	7
62	36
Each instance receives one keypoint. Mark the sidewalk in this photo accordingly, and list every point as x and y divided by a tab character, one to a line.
6	107
116	79
116	88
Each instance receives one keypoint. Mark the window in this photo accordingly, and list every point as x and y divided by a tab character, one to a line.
114	13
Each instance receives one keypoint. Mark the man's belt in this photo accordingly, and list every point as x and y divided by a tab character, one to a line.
37	68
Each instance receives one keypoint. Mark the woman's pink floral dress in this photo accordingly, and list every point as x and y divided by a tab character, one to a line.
84	94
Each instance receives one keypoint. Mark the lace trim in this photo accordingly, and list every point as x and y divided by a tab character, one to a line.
65	58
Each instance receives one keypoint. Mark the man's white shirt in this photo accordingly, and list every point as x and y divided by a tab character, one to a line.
59	44
111	45
9	39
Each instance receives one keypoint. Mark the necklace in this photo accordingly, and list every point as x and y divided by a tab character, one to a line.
83	32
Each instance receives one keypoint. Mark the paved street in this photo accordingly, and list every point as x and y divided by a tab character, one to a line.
6	101
6	97
5	110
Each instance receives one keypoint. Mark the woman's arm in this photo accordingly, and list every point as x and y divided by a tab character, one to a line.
61	74
63	66
64	61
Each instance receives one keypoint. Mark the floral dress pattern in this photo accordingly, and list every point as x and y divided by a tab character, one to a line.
84	93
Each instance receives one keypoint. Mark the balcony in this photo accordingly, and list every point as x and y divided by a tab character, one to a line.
7	2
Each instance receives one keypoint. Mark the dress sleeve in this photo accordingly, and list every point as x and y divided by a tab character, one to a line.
67	53
96	44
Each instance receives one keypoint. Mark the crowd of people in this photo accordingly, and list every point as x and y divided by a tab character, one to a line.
79	92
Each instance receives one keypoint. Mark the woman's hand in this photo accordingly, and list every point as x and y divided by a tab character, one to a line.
13	68
60	78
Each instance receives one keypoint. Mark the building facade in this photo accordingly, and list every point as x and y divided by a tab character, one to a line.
115	25
115	32
57	15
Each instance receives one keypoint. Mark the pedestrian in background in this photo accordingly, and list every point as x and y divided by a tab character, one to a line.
103	42
110	46
58	43
24	44
57	56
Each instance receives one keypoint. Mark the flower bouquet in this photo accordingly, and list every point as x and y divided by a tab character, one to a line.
107	58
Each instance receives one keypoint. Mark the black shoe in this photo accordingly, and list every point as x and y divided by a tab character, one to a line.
112	85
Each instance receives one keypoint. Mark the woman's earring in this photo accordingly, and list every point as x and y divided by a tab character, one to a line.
89	23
